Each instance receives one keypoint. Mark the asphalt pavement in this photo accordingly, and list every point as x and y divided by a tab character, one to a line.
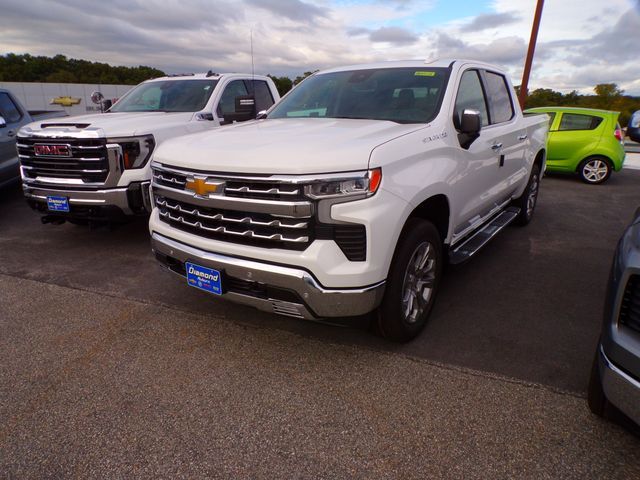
113	368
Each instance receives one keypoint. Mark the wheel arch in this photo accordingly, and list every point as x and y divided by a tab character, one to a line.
596	154
437	210
541	159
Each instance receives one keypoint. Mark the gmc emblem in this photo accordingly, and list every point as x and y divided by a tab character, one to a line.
52	150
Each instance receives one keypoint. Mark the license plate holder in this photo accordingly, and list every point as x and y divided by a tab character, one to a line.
58	204
204	278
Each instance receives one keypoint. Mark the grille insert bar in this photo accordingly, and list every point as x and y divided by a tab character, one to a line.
630	306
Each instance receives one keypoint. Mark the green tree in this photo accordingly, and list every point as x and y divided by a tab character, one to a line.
283	84
300	78
27	68
607	94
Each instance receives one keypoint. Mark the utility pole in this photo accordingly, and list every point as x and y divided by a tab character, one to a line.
532	48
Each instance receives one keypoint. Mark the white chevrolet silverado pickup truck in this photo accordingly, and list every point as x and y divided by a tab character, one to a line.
95	167
352	192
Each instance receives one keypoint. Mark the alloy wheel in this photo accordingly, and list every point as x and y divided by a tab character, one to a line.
419	282
595	170
532	198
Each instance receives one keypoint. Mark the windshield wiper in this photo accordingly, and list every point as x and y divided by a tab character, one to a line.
369	118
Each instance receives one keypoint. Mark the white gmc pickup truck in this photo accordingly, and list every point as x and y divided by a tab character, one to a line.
96	167
352	192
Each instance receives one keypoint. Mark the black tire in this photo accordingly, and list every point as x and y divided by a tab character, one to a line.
595	170
596	398
529	199
419	243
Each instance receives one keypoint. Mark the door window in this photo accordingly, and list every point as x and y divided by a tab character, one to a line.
500	100
9	110
260	90
471	96
227	103
574	121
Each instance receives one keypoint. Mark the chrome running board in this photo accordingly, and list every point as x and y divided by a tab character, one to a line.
464	251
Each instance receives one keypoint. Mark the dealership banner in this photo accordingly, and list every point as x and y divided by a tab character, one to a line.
74	98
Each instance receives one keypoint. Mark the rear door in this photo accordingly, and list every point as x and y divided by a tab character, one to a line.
508	134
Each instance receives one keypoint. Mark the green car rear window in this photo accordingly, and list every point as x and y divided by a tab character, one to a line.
574	121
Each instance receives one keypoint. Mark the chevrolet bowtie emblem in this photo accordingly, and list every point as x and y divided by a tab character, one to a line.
65	101
203	187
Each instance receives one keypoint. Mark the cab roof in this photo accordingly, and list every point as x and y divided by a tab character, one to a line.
586	111
434	63
203	76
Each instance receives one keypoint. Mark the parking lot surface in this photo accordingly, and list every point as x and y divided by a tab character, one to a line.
111	366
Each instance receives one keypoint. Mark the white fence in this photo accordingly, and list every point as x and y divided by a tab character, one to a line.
74	98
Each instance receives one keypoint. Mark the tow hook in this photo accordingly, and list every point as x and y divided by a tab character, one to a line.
52	219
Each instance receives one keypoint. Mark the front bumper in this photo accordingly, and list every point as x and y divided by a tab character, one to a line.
131	200
620	388
273	288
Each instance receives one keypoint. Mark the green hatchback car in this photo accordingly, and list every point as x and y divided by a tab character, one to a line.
586	141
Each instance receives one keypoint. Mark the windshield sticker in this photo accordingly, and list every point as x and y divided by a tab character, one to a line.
425	74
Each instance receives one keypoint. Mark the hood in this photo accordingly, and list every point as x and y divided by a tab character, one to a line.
283	146
112	124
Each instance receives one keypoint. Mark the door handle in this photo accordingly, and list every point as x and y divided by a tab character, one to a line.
496	146
523	137
11	133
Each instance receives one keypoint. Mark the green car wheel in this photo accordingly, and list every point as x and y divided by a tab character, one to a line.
595	170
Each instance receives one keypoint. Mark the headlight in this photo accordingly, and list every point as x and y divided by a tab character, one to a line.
135	150
362	185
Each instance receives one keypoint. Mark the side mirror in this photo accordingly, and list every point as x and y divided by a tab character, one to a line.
106	104
3	122
245	110
470	125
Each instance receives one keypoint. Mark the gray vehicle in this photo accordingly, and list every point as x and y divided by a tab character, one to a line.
615	375
13	116
633	129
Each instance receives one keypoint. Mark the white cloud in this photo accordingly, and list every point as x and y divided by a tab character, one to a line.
580	41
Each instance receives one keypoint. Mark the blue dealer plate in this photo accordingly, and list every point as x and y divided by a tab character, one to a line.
58	204
204	278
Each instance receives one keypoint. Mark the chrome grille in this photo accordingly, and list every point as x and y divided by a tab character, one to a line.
88	160
261	210
234	226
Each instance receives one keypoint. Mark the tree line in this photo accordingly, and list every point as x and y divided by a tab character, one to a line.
60	69
607	96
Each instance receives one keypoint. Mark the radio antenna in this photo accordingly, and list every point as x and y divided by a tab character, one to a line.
252	67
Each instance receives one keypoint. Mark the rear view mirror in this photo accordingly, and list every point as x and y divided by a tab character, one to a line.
470	125
3	122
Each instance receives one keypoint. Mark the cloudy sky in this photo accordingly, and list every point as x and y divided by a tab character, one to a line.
581	42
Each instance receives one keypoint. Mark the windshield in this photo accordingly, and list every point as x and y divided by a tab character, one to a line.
167	96
402	95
